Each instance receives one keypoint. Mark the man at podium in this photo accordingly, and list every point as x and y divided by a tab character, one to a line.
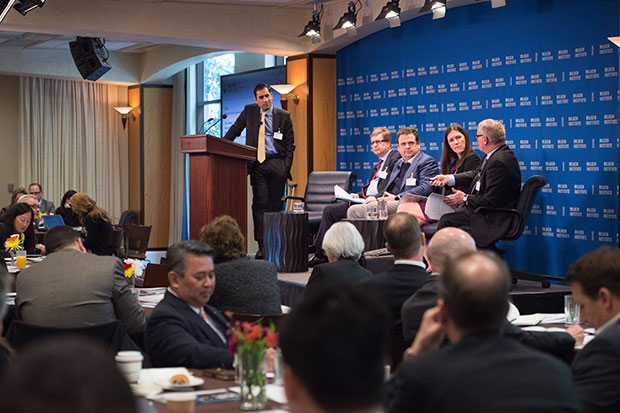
270	131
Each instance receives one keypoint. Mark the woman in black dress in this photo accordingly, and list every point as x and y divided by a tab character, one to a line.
66	212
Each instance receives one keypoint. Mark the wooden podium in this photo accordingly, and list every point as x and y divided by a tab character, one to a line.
217	180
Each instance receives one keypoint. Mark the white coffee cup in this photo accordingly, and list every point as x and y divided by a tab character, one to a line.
130	363
183	402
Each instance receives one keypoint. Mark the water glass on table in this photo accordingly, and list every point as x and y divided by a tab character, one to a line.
382	212
371	212
571	310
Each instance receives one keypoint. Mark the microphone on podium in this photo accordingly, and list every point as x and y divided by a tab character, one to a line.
203	125
224	116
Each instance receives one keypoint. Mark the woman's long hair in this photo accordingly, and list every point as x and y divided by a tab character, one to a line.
87	209
449	158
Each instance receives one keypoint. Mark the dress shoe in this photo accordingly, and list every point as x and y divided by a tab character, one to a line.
259	255
316	260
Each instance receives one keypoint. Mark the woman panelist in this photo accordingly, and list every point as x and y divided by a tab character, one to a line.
457	156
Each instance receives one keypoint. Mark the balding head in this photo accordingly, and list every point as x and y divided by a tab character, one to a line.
474	289
448	243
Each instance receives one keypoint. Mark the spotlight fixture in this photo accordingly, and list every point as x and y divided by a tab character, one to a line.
5	6
496	3
349	19
390	11
313	28
26	6
438	7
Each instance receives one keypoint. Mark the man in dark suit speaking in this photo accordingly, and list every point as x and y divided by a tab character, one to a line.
270	131
495	184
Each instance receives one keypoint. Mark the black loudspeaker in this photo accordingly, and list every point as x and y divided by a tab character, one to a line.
89	55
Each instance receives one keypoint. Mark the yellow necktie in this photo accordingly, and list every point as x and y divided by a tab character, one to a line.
260	153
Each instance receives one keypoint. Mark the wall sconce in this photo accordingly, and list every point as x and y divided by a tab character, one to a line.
615	40
286	95
125	113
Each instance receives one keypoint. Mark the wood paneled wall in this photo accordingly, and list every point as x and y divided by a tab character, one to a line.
149	159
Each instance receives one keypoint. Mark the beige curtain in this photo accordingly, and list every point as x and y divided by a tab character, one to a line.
69	139
177	164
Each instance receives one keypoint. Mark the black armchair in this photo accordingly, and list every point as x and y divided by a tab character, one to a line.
320	193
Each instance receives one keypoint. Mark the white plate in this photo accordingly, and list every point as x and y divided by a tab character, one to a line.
145	389
193	382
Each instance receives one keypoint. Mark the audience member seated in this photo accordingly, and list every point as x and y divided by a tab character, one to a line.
447	243
34	204
72	288
183	330
404	240
96	222
65	210
481	371
343	245
18	220
457	156
6	352
595	283
450	243
333	345
244	285
65	374
47	207
17	193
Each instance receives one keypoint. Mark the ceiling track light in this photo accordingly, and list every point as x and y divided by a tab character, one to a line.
313	28
5	6
26	6
496	3
349	18
438	7
390	11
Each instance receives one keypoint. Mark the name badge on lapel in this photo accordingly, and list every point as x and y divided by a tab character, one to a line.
478	186
411	182
383	174
277	135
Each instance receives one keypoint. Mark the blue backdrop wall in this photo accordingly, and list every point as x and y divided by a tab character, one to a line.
544	68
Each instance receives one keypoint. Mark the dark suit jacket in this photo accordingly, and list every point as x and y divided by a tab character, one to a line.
394	286
249	119
596	370
388	165
177	336
500	185
47	207
471	162
414	307
482	373
346	271
423	168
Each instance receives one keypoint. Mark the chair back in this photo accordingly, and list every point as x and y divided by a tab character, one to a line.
155	275
320	188
112	335
524	206
115	238
136	240
128	217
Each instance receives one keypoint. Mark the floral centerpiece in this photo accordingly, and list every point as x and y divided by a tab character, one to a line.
14	243
249	342
133	268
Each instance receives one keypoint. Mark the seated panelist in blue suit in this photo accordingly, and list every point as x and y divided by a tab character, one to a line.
183	330
410	175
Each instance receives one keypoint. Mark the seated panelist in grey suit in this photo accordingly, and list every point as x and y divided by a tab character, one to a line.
72	288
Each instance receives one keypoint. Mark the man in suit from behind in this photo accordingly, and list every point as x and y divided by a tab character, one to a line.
495	184
72	288
183	330
481	370
270	131
405	241
333	345
381	146
447	243
411	175
595	283
47	207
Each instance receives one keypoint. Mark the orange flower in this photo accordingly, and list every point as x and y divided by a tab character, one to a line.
247	327
271	339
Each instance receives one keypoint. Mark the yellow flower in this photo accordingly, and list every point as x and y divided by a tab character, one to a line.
128	270
12	243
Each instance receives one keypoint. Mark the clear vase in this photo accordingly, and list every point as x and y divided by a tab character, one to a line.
253	378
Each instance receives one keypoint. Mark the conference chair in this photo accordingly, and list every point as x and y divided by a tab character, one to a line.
112	335
128	217
320	193
115	238
136	240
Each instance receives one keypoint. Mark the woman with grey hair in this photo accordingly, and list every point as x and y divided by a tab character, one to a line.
343	246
